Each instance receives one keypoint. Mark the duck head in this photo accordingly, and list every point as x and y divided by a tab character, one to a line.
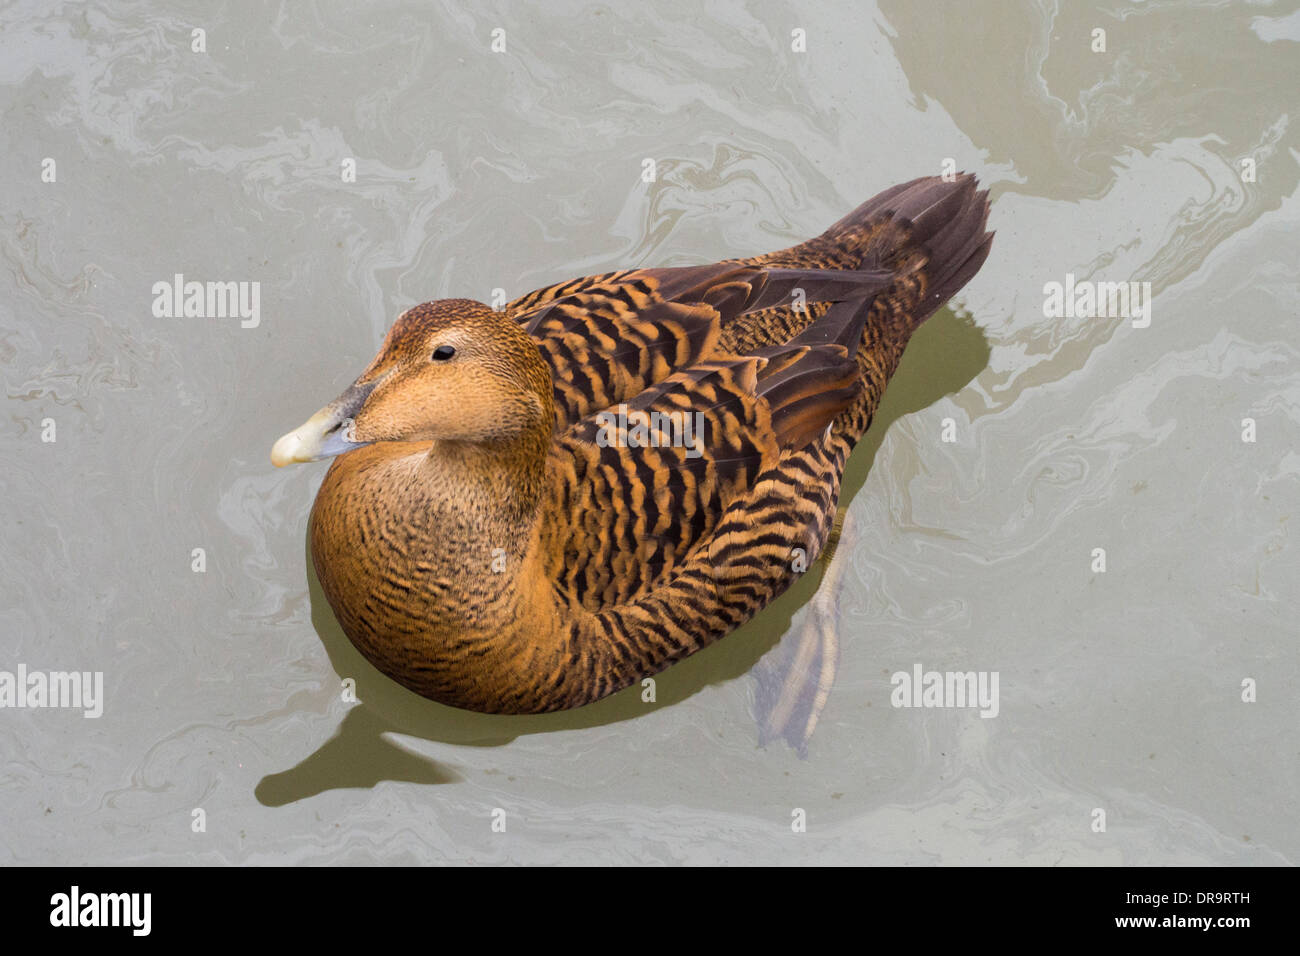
452	370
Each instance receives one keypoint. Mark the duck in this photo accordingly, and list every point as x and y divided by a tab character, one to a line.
534	506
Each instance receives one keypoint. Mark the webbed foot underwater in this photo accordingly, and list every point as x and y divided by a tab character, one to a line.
534	508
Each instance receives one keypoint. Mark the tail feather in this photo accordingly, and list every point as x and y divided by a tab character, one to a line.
928	236
899	256
915	244
951	229
939	223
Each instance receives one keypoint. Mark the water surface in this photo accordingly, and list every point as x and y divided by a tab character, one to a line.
478	170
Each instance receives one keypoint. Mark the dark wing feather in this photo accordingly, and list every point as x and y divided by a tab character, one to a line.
609	338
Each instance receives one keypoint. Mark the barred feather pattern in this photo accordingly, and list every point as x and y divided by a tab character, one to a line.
667	559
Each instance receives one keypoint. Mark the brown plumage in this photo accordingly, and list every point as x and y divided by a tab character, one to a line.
497	537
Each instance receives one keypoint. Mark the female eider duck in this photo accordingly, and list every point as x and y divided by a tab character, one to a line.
535	507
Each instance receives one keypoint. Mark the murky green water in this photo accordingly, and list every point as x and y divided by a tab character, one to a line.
1119	691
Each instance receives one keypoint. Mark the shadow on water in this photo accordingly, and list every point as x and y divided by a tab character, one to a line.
945	354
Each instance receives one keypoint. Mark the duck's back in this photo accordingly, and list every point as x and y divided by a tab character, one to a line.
704	417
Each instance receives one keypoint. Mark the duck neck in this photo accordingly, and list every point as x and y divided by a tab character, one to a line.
483	503
495	488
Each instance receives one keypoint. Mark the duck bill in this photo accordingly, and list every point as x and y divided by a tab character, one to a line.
328	433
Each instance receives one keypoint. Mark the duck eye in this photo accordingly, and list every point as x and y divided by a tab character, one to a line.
443	352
